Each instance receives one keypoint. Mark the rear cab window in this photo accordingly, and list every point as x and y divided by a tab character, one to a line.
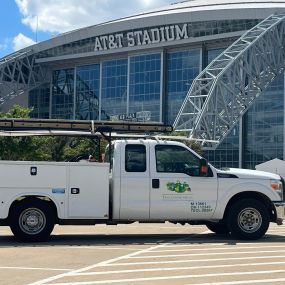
135	158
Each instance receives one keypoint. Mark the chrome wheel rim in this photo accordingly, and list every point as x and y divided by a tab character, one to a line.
32	221
249	220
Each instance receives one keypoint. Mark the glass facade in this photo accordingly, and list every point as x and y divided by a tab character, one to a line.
263	130
39	102
264	126
182	68
227	153
87	92
114	88
109	90
63	94
145	85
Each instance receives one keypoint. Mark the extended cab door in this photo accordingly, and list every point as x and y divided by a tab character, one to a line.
178	189
135	181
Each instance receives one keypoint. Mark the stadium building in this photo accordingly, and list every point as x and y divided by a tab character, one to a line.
143	66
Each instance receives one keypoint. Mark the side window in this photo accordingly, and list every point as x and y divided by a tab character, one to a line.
176	159
135	160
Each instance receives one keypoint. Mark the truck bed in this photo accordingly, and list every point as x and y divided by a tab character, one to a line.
79	190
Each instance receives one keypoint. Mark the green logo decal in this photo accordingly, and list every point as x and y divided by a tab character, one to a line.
178	187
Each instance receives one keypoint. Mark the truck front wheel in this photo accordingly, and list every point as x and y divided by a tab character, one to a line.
248	219
32	220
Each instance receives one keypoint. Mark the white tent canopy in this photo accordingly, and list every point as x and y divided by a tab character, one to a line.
275	166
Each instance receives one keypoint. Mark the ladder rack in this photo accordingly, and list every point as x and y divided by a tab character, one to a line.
89	126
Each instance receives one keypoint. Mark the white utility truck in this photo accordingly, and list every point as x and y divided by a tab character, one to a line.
147	180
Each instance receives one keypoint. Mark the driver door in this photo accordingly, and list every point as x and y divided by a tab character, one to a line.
178	189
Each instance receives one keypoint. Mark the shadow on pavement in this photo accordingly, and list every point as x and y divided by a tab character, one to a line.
135	239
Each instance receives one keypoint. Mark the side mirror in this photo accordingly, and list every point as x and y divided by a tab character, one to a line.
203	167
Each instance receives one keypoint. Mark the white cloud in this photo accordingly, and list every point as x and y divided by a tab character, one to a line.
4	45
60	16
21	41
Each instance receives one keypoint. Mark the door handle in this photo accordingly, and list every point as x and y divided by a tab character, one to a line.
75	191
155	183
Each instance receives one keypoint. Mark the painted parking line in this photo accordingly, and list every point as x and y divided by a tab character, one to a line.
261	281
191	260
202	254
100	264
237	247
178	268
123	264
176	277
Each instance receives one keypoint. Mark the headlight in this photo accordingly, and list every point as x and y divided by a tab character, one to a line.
276	185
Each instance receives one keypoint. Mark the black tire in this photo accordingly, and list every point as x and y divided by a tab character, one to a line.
32	220
219	228
248	219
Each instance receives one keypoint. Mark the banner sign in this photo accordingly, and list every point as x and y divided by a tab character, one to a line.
142	116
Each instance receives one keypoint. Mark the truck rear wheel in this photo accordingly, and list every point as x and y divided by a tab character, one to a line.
32	220
248	219
219	228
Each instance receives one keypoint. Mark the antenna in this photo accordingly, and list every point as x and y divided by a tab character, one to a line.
37	28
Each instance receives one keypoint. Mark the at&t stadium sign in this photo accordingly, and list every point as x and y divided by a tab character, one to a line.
142	37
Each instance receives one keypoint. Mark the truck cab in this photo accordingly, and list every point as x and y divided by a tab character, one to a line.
161	180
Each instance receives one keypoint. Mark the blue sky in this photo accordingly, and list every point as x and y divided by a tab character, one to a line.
19	19
11	26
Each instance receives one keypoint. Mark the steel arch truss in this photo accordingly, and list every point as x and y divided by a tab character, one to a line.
224	91
19	73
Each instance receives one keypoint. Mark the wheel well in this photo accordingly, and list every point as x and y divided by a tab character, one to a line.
34	198
252	195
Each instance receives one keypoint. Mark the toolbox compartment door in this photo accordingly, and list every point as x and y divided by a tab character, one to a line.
88	191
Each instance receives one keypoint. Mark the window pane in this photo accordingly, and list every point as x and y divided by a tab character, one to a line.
144	97
87	92
114	89
182	68
176	159
63	94
39	101
135	160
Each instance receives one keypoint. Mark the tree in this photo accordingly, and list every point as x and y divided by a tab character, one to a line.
18	148
41	148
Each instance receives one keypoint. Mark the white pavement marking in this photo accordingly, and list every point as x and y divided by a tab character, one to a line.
112	262
34	268
243	282
194	260
202	254
178	268
171	277
104	263
221	248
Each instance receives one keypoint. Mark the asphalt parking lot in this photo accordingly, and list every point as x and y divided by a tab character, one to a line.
142	254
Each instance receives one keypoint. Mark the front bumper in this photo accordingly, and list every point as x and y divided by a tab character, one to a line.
280	212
